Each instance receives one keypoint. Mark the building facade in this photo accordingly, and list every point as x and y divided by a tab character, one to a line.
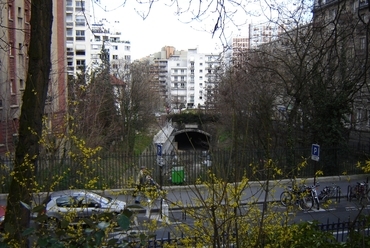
119	49
186	78
342	13
15	34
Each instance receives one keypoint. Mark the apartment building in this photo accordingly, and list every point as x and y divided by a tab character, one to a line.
186	78
13	68
356	13
78	34
257	35
119	49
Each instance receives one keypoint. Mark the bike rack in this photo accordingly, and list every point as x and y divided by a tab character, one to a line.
349	193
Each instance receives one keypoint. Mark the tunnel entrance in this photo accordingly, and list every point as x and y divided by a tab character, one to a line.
192	140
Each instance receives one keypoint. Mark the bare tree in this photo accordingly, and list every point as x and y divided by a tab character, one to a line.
138	100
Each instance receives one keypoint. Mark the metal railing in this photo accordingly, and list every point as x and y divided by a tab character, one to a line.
115	171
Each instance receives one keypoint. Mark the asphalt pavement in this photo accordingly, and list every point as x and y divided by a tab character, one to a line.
182	196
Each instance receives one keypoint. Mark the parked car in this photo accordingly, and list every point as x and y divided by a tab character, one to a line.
2	215
82	203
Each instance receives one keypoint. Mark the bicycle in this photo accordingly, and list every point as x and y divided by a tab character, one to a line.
329	192
360	191
311	198
305	197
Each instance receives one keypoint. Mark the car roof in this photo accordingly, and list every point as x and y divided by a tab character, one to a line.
70	192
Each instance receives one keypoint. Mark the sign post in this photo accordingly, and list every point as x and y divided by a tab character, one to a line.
160	163
315	156
315	152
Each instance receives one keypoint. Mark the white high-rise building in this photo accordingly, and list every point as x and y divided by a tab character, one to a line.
78	35
119	49
189	77
84	39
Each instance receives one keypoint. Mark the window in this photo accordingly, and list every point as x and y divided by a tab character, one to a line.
10	49
182	85
115	66
200	64
127	48
175	70
80	21
80	63
10	13
115	56
69	32
80	35
200	77
362	43
69	18
128	57
359	115
20	22
182	78
178	64
80	52
200	71
11	86
96	47
115	47
21	84
192	72
182	71
80	4
26	16
176	78
97	38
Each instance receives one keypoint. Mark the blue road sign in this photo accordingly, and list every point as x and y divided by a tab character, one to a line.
315	152
159	150
159	155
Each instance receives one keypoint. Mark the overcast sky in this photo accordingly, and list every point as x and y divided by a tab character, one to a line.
162	27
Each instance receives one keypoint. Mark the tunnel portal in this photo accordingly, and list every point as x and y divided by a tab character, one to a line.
190	139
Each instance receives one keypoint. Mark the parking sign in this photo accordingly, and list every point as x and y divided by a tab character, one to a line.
315	152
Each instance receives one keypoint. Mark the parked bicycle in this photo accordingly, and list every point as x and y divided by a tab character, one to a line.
360	191
305	197
329	192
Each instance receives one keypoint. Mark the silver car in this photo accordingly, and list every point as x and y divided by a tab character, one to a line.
81	203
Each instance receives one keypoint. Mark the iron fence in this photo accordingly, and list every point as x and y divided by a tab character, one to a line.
117	171
341	231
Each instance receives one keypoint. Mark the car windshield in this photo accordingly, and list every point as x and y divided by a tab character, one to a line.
99	198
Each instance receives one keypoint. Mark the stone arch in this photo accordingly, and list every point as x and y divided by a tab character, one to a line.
190	139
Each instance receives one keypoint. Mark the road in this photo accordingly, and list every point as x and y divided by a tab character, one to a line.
185	195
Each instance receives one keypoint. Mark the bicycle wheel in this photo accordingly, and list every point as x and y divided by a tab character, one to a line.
317	203
306	203
331	191
286	198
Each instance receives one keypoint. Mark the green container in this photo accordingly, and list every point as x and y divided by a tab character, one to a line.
177	175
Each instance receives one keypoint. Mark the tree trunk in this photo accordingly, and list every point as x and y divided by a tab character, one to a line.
30	122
